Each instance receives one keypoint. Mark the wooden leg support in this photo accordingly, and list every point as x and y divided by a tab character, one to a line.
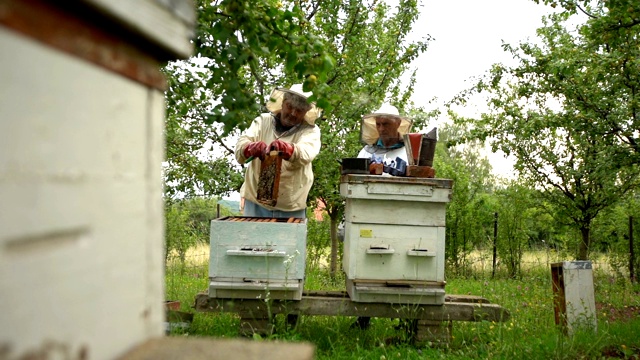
292	321
250	326
434	332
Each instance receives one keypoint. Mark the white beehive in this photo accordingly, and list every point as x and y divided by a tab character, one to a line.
394	238
257	258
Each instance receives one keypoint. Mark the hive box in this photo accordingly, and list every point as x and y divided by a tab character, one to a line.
394	238
257	258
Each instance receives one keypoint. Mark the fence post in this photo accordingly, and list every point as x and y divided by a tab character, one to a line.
218	211
495	243
632	259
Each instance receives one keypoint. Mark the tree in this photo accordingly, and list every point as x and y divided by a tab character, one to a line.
567	113
516	209
368	39
242	49
470	212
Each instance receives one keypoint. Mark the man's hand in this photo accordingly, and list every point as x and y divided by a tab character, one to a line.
284	148
256	149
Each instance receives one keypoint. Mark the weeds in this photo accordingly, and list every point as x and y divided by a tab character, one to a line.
530	333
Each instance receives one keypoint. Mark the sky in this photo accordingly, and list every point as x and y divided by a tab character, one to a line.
468	36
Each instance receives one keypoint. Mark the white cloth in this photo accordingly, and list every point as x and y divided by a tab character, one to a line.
387	155
296	175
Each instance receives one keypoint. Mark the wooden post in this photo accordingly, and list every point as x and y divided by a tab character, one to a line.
495	244
632	260
436	332
217	211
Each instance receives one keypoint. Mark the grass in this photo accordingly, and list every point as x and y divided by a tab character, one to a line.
530	333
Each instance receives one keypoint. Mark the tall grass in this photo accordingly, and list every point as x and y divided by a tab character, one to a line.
530	333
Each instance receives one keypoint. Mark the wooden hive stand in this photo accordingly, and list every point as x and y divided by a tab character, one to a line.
429	323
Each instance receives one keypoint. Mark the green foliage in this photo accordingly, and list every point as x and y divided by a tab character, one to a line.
470	212
350	54
199	155
318	241
242	50
515	207
567	111
245	41
187	224
612	234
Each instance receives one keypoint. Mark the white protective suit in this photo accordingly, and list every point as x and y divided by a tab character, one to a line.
296	175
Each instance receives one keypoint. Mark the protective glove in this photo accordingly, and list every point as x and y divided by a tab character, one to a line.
256	149
284	148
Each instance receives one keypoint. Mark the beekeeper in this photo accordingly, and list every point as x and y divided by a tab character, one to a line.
382	133
289	127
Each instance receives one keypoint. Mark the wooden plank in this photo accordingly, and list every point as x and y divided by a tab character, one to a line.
421	171
335	306
174	347
427	331
338	294
401	282
447	298
168	25
466	299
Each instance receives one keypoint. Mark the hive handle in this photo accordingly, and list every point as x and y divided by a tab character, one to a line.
380	250
241	252
421	253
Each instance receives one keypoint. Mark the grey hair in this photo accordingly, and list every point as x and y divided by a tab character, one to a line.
296	101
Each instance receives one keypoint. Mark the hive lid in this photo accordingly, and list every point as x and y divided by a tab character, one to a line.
361	179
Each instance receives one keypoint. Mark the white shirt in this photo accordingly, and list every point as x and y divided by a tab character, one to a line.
387	155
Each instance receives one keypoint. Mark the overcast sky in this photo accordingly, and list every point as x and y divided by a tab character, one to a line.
468	35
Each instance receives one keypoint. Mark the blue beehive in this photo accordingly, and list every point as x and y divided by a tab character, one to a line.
257	258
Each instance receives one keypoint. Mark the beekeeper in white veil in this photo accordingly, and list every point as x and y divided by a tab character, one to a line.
382	133
288	127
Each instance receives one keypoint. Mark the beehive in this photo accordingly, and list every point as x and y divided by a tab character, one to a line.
395	238
255	257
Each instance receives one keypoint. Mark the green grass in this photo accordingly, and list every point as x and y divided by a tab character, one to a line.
530	333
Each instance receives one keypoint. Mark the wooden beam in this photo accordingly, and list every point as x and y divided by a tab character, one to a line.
337	306
172	347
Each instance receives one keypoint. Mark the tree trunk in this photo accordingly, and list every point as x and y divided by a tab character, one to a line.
333	266
583	249
632	257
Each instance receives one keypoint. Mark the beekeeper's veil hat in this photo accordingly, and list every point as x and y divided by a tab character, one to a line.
368	132
274	104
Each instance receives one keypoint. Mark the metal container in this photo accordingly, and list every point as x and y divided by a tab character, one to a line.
355	166
255	257
394	238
